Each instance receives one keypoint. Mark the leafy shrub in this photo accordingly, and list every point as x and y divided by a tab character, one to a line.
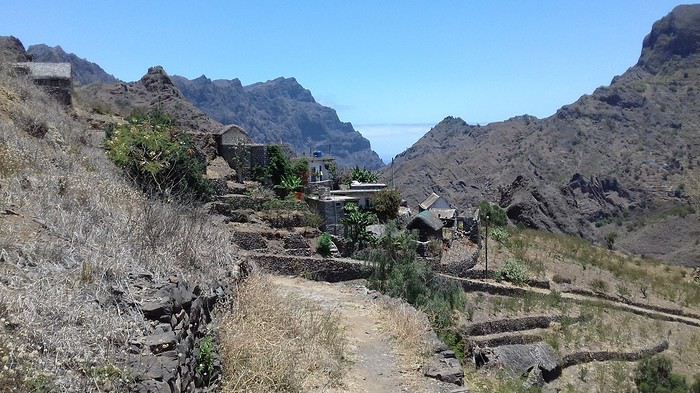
288	185
514	272
654	375
159	158
363	175
398	273
355	222
385	204
492	214
324	245
499	234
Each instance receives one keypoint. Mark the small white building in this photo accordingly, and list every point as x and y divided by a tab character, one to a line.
362	192
321	168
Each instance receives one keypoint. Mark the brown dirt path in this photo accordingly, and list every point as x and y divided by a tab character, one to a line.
376	364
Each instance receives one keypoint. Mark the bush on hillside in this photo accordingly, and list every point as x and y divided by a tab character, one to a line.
159	158
492	214
385	204
499	234
324	245
398	273
514	272
654	375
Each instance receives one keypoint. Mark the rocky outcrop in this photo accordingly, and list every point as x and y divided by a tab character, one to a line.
677	35
520	360
83	71
280	110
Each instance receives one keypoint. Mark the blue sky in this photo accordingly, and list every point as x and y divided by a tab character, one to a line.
392	68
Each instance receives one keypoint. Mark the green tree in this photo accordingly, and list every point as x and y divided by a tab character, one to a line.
158	157
278	165
654	375
493	214
385	204
355	222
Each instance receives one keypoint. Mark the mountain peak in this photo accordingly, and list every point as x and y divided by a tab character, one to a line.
12	49
675	35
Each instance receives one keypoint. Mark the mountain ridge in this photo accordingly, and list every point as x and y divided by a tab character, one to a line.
640	133
277	110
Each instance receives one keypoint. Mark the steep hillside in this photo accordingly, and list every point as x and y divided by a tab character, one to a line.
628	153
155	90
84	71
280	110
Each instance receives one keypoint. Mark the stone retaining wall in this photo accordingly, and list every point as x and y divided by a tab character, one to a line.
603	356
315	268
165	359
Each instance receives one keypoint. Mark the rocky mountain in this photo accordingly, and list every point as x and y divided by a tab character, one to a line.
280	110
155	90
12	49
624	159
84	71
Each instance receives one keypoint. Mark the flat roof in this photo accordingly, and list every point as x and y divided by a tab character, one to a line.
47	70
333	198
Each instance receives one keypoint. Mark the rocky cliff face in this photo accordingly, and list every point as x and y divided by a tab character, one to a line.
625	153
84	71
280	110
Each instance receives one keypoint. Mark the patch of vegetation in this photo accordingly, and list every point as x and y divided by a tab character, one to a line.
158	157
205	360
499	234
655	375
493	214
385	204
398	273
648	274
356	221
514	272
610	240
599	285
363	175
324	245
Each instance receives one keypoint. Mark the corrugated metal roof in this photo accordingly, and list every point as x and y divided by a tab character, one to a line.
429	201
426	218
47	70
444	213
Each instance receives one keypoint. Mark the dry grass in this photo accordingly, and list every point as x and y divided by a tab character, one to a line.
279	343
409	328
80	231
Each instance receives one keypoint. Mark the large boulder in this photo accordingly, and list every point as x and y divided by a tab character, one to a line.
520	360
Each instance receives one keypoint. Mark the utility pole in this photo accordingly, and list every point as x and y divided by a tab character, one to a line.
486	270
392	173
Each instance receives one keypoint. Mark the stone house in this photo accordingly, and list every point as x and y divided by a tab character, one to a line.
428	225
439	206
54	78
233	144
331	208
